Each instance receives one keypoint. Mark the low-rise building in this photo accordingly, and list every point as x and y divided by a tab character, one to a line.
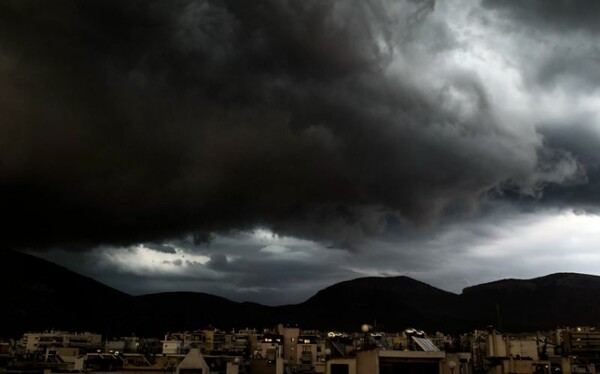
33	342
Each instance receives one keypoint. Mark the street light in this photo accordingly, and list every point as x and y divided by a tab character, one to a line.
365	329
451	365
233	365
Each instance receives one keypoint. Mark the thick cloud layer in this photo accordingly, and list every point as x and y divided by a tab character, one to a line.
554	45
554	16
127	121
261	267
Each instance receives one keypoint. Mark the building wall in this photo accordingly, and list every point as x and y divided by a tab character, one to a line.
116	345
496	345
306	352
193	363
350	362
209	338
36	340
463	363
290	341
171	347
523	348
367	362
269	350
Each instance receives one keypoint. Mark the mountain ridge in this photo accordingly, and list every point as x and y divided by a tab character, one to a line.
53	296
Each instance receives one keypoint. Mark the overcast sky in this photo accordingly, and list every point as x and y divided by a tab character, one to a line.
262	150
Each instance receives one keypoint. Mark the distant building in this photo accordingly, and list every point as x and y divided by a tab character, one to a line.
290	342
32	342
496	353
582	342
193	363
376	361
269	347
139	364
181	342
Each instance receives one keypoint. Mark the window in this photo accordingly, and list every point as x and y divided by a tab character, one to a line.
339	369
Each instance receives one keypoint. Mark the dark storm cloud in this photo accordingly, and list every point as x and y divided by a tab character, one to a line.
280	277
569	66
567	62
557	16
161	248
581	138
570	55
218	261
125	121
177	262
274	280
252	275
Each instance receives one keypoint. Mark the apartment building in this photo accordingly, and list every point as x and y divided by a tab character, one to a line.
33	342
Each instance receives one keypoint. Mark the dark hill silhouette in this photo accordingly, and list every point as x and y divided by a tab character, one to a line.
39	295
535	304
177	311
390	303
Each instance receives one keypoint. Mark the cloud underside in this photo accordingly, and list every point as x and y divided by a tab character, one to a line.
133	121
262	267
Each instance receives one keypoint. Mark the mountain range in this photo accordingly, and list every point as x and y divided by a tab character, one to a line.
39	295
